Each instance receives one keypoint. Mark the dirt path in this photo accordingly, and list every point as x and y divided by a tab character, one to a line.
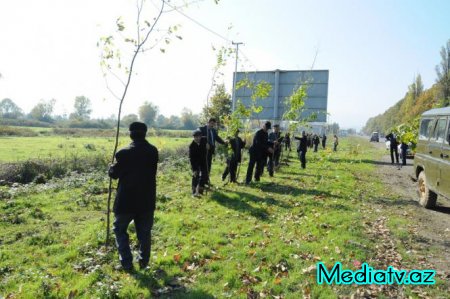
430	233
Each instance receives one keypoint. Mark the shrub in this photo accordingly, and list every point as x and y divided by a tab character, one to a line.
14	131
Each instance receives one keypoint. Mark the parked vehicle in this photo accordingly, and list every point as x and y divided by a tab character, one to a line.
375	137
432	158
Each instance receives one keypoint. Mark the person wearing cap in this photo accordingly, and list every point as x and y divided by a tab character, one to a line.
236	145
275	140
135	167
209	132
302	148
197	158
258	152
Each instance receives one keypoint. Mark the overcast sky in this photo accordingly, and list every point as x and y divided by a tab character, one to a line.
372	49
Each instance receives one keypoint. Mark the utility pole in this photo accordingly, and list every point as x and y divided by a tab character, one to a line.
233	95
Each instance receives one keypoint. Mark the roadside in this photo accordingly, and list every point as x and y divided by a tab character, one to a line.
428	239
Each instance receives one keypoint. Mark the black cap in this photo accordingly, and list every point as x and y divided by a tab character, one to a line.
268	125
138	126
197	133
276	125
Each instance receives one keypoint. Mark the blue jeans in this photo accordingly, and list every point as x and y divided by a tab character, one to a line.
143	223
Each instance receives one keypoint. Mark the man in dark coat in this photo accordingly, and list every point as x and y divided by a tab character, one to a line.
324	140
236	144
135	168
393	146
287	142
275	140
258	152
316	142
302	148
210	134
197	157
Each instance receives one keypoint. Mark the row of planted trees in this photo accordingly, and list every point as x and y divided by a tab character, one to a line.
137	38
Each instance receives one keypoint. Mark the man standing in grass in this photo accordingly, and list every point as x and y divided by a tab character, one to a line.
275	139
258	153
136	195
302	148
197	157
210	134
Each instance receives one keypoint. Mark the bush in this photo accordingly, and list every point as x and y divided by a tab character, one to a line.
24	123
12	131
41	170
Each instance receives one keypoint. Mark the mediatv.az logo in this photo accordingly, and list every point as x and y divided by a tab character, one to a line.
367	275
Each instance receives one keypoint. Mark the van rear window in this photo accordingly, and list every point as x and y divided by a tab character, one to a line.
439	132
425	128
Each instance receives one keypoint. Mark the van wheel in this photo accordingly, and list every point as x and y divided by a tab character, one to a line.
427	198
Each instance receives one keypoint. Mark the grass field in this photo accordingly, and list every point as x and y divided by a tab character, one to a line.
22	148
257	241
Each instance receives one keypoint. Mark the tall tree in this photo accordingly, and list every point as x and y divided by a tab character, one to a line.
147	113
43	110
9	109
82	106
443	74
219	105
128	119
188	119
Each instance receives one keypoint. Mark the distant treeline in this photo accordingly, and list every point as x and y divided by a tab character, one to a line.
416	100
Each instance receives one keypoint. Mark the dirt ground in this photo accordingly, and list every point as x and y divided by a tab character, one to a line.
431	230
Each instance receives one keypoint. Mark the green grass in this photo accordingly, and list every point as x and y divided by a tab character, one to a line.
235	241
23	148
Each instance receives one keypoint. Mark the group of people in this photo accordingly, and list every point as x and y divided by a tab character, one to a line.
393	148
136	167
265	151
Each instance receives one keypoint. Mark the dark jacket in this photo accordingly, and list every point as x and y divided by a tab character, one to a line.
393	140
236	144
215	137
136	170
197	154
260	144
276	137
303	144
316	140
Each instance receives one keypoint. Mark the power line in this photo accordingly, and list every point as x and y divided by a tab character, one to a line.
199	24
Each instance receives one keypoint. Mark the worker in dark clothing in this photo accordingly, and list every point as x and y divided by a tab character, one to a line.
393	146
275	140
403	151
258	153
197	157
209	132
287	142
236	145
324	140
302	148
335	142
316	142
309	140
135	168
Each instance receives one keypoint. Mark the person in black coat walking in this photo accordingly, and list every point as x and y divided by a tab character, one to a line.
287	142
302	148
236	144
210	134
393	146
316	142
197	158
258	153
324	140
275	140
135	167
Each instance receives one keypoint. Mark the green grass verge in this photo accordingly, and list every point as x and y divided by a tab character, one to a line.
234	242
